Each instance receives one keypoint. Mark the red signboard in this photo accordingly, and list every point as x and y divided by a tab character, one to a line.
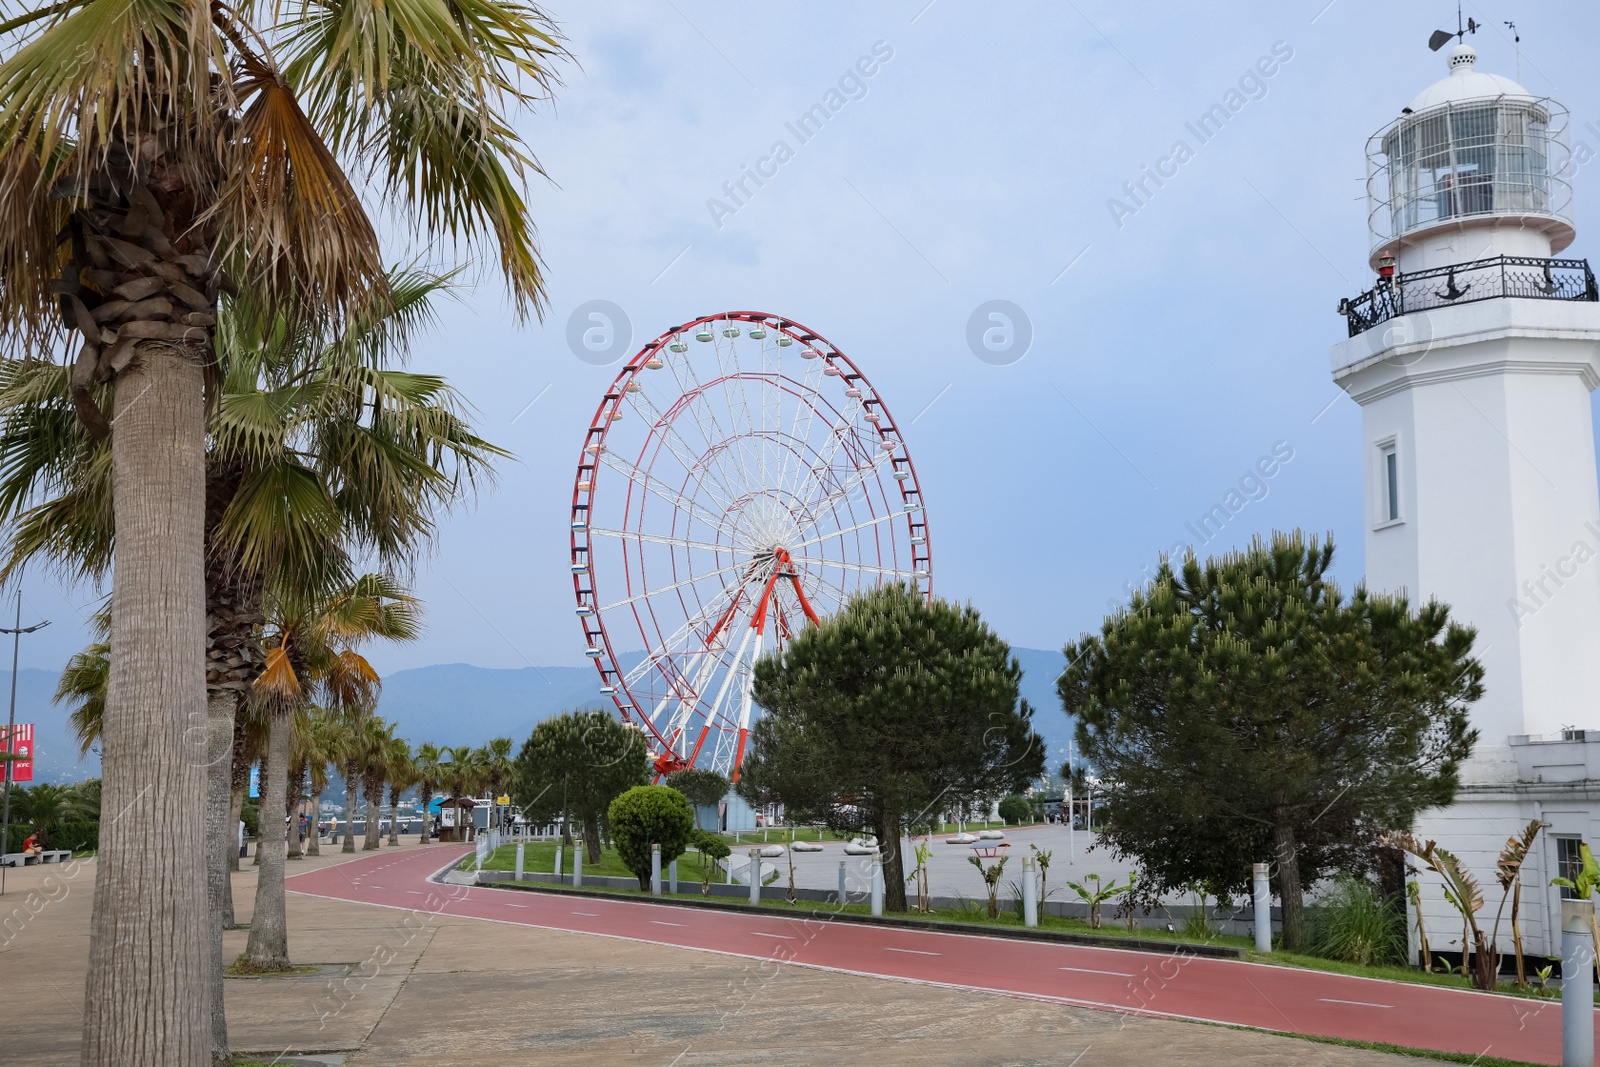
20	743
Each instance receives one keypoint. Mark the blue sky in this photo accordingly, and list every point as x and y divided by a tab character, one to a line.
1175	342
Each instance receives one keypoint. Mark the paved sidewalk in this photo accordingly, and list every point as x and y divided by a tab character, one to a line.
450	991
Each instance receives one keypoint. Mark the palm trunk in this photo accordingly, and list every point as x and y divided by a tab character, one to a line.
894	882
370	842
427	799
235	814
394	815
314	830
147	998
268	947
293	794
220	837
268	769
1289	891
350	786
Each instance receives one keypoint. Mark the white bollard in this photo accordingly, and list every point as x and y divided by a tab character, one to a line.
1262	893
841	882
1030	894
577	867
755	876
519	861
558	863
655	870
672	877
877	883
1577	983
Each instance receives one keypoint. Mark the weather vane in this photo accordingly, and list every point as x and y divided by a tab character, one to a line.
1440	37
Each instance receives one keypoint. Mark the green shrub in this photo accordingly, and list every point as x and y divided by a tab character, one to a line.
1015	809
1353	924
78	836
650	815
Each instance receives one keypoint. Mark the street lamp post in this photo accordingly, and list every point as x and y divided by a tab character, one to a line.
16	633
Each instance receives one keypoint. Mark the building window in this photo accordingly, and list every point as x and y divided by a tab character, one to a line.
1569	862
1387	504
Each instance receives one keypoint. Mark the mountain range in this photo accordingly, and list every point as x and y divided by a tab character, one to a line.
459	704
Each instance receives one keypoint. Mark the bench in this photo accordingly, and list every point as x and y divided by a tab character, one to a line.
20	859
55	855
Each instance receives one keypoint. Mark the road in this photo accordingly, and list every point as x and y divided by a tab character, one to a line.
1168	985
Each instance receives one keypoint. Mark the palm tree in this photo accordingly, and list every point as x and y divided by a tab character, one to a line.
426	764
321	748
153	155
497	767
82	689
400	772
376	738
312	650
354	452
462	776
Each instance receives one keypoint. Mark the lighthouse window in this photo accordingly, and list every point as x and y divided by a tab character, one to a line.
1388	503
1391	486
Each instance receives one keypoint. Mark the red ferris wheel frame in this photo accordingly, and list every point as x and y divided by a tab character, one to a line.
677	752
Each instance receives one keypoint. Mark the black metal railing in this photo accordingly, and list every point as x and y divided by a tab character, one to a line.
1527	277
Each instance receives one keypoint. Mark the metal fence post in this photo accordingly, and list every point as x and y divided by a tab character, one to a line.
755	876
519	860
672	877
558	863
655	870
1030	894
577	867
877	883
1577	983
1262	894
841	881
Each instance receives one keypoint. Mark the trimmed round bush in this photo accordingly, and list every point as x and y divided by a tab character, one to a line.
1015	809
650	815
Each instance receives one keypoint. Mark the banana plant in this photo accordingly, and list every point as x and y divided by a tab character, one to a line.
991	881
1479	961
1584	885
1414	894
919	874
1508	872
1098	894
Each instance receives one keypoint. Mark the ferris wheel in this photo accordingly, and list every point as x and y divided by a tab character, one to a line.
740	480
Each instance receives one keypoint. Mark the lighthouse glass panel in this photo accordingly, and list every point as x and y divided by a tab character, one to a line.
1464	159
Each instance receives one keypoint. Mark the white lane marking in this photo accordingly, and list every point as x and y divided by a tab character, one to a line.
591	914
1091	970
516	905
658	922
414	892
1357	1003
913	951
763	933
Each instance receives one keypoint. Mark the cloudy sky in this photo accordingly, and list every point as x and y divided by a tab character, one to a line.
1176	337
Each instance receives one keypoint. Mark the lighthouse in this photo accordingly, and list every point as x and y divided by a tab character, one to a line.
1472	357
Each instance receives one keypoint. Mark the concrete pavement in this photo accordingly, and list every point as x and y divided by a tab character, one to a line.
429	986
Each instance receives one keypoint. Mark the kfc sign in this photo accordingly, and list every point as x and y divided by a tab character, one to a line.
21	743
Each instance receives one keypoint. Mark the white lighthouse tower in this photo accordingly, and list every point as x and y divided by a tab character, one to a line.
1473	358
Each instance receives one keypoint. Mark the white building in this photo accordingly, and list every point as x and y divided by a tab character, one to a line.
1473	366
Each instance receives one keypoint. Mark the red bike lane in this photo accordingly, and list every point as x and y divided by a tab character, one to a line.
1171	984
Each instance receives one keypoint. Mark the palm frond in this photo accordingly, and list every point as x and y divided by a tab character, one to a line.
294	221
